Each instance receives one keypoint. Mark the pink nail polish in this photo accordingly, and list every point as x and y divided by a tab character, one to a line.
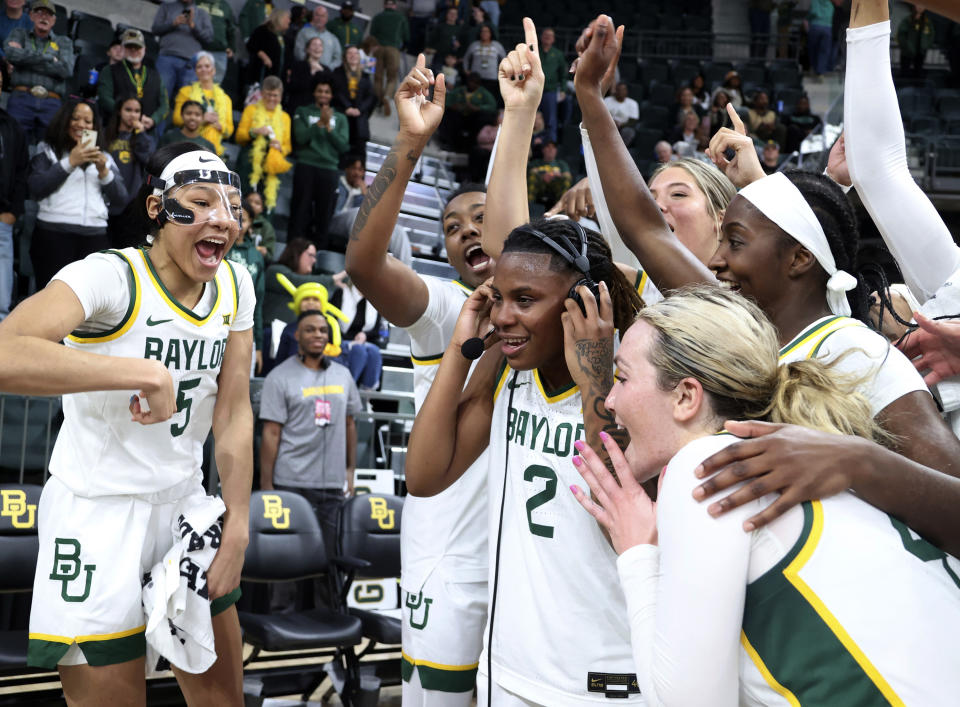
577	461
604	436
573	490
578	445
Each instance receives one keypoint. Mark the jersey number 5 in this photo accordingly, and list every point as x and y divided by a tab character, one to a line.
184	404
538	499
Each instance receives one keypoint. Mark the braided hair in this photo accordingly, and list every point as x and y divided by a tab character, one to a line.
626	301
839	222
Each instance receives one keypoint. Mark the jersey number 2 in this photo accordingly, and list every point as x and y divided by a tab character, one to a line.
923	550
538	499
184	404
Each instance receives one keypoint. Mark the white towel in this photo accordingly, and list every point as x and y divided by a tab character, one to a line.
175	600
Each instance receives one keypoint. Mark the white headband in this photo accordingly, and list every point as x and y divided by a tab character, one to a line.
781	202
189	161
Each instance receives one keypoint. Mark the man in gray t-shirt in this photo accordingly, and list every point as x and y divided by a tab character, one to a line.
309	434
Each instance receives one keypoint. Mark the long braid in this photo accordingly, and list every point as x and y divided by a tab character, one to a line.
839	222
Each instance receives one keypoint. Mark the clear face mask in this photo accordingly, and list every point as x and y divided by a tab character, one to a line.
202	196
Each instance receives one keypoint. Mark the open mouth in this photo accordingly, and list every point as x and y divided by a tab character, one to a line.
729	284
512	345
475	258
210	251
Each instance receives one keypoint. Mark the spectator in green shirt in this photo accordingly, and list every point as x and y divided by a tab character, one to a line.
253	14
263	232
468	109
320	137
192	114
444	38
344	28
549	178
554	102
390	28
224	34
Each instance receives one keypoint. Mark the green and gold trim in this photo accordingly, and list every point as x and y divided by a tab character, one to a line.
178	308
221	604
463	286
438	676
555	396
129	317
817	334
798	645
433	360
45	650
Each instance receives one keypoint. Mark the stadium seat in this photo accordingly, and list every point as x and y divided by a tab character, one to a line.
62	25
662	94
28	428
370	531
697	23
644	142
628	71
949	107
655	117
18	561
286	543
92	28
752	73
714	72
924	124
785	77
91	48
329	261
682	72
654	71
671	21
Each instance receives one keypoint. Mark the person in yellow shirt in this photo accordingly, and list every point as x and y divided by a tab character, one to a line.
264	131
217	106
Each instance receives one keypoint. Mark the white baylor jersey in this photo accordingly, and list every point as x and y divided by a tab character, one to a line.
99	450
861	611
452	524
560	633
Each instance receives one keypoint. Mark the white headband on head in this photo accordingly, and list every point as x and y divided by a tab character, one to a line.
781	202
190	161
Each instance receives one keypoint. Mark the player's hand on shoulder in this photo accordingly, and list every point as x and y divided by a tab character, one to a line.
157	390
799	463
419	113
588	338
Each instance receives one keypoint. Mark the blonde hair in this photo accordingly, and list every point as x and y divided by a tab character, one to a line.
711	181
724	341
273	21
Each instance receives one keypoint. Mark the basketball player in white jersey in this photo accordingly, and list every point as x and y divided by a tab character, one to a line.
157	350
552	638
835	602
444	540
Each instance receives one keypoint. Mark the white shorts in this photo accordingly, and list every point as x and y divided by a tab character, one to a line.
87	606
442	636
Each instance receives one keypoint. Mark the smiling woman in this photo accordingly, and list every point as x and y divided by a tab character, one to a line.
523	401
156	351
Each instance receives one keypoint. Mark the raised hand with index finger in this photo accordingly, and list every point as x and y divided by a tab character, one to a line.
521	73
742	167
419	114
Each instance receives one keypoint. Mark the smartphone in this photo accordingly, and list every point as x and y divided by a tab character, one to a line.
88	138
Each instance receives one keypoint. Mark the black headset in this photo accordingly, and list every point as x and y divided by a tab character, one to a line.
578	260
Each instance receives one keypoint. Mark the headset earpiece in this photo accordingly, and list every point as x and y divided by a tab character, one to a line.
575	296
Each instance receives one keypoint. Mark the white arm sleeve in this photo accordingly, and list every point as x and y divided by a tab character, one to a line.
620	252
877	157
688	622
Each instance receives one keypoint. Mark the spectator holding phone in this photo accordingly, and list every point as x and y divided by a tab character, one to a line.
74	181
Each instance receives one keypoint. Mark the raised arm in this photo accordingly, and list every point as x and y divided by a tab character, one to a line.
521	85
877	157
635	213
442	445
394	289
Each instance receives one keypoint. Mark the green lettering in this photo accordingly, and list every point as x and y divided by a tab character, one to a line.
200	366
537	471
511	420
215	355
173	354
562	446
578	432
547	449
153	348
522	418
188	350
66	568
538	424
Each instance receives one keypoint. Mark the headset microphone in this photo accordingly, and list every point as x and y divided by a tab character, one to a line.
472	349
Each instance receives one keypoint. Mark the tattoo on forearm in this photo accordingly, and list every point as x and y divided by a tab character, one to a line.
385	177
595	358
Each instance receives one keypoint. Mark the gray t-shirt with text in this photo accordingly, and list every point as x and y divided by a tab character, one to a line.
312	405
